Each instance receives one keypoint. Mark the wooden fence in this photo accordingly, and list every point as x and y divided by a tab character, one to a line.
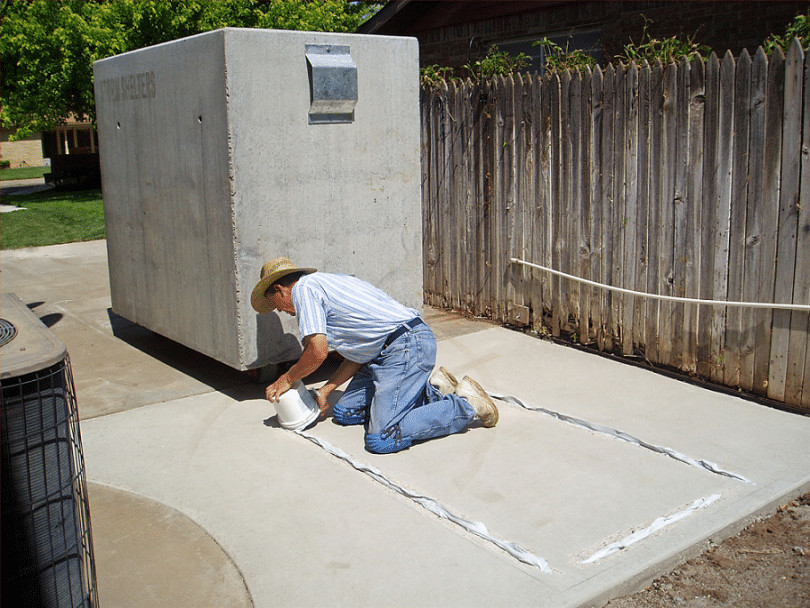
688	179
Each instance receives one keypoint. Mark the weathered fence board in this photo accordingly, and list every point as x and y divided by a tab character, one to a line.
618	225
666	258
707	214
656	222
737	220
681	213
694	195
525	182
788	218
632	214
798	373
721	179
754	212
596	206
607	333
690	179
772	142
643	173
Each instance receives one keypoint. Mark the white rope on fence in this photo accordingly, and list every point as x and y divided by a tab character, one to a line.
655	296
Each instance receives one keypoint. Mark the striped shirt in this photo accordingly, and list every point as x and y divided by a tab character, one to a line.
355	316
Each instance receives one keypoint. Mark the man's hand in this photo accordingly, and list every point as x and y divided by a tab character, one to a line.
278	388
322	398
315	351
346	370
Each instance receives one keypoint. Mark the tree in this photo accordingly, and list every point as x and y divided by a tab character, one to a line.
47	47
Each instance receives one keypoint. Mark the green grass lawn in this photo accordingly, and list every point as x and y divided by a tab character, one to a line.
52	217
23	173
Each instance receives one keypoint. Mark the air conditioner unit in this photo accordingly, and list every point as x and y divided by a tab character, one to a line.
47	548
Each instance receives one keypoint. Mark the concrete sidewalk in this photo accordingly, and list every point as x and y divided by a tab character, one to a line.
198	498
18	187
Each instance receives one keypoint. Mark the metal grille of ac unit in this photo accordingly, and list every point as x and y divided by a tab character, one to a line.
47	549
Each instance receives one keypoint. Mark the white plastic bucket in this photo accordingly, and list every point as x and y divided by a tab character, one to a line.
296	408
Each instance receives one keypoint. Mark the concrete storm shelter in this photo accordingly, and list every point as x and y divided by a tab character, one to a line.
229	148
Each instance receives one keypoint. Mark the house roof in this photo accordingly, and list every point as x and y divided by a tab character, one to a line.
406	17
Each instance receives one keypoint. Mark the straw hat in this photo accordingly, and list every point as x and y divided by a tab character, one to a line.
271	272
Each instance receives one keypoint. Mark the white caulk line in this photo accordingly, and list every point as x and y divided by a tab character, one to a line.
474	527
605	430
658	524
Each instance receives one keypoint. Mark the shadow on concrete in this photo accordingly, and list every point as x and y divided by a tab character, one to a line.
185	360
51	319
21	190
47	320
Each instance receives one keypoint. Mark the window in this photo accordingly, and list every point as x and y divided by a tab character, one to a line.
588	41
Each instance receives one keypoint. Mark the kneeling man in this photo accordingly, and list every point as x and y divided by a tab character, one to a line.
389	353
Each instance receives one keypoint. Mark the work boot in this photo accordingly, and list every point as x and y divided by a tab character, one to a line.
443	380
477	397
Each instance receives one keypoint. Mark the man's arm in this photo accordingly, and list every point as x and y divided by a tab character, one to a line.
315	352
345	370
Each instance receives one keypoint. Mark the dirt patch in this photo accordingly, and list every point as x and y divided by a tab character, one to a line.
765	565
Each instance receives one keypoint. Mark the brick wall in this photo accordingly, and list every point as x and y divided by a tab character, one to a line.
24	153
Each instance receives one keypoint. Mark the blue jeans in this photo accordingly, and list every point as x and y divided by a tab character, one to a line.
392	396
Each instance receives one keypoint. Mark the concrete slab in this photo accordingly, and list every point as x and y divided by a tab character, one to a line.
288	514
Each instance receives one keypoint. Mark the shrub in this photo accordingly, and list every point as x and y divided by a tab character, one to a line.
432	75
798	28
561	59
497	63
666	50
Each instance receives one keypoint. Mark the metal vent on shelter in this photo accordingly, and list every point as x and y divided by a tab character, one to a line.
333	83
7	331
47	549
